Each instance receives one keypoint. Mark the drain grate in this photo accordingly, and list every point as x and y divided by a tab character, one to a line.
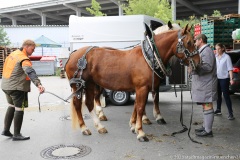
65	151
85	116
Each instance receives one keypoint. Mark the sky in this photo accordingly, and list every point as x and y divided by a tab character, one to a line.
11	3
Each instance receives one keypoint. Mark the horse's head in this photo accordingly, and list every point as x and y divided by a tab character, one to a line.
186	50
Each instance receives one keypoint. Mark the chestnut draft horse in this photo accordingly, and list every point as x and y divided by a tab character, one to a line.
125	71
98	90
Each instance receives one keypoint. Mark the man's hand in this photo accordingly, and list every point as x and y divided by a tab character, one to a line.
41	88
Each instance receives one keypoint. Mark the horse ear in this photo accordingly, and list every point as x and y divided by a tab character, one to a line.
189	28
185	29
170	25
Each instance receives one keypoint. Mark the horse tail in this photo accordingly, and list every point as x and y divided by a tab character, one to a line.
74	116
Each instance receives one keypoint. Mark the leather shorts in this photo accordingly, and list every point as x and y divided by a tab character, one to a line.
17	98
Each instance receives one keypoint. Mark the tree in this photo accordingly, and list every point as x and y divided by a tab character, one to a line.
95	9
134	7
216	13
4	40
164	11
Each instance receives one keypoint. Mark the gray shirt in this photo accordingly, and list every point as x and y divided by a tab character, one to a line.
224	65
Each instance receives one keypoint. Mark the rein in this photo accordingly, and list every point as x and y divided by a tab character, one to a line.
65	100
181	114
190	77
80	83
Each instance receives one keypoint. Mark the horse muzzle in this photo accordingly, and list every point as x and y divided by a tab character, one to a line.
188	56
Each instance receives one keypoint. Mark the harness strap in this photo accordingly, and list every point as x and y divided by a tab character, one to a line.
156	61
181	114
81	65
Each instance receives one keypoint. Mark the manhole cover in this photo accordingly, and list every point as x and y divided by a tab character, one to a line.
65	151
85	116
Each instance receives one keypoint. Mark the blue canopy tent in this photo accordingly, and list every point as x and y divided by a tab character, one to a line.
43	41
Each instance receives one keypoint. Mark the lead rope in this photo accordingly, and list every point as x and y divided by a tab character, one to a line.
39	107
189	80
181	114
65	100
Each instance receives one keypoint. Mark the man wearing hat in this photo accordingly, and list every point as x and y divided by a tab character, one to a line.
204	85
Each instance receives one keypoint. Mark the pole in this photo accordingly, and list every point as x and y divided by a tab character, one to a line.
173	6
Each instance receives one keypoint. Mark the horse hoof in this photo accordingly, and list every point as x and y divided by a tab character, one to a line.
102	131
143	139
161	121
146	121
133	130
87	132
103	118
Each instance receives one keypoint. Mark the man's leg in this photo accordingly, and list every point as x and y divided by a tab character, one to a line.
208	114
18	119
20	102
8	121
9	115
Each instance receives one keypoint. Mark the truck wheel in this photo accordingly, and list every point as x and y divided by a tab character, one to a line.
119	97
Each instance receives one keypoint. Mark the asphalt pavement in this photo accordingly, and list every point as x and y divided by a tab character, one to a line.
52	136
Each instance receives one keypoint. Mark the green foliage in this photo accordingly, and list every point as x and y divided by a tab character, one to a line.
164	11
135	7
95	9
58	72
4	40
216	13
191	21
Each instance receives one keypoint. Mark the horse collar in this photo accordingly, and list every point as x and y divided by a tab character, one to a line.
152	57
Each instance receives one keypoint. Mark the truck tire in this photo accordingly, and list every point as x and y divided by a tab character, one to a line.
119	98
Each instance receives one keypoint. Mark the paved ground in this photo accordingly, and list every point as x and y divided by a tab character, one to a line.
50	128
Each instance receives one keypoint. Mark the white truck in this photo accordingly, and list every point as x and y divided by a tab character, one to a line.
120	32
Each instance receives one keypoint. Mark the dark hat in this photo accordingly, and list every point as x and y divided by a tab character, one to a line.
202	36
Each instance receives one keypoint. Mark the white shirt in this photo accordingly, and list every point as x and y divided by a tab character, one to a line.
224	64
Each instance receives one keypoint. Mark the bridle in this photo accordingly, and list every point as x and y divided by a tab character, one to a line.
187	53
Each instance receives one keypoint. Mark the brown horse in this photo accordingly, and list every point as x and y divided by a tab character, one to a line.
124	71
99	99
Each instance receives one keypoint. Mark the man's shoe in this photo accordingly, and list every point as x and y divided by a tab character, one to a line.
217	112
7	133
231	117
204	134
20	137
200	129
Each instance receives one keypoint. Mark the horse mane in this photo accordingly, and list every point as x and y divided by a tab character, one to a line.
166	28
